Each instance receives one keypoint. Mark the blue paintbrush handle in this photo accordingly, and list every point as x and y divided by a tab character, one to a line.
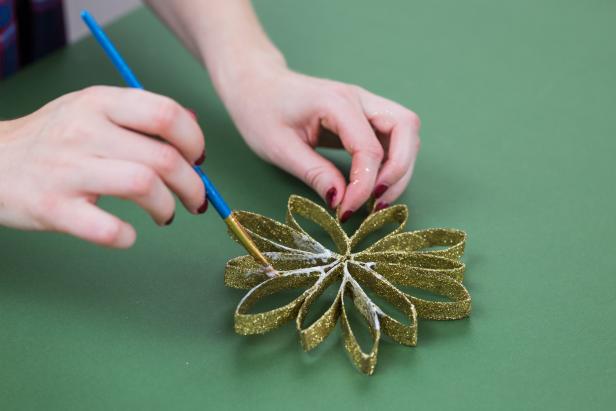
112	52
213	195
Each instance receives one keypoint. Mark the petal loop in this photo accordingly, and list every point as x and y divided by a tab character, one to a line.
270	235
318	215
397	213
458	306
364	361
313	334
244	272
417	263
402	333
258	323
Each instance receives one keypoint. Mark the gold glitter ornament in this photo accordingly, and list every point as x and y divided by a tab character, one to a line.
398	259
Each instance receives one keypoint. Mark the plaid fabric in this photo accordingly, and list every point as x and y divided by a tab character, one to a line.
29	29
9	61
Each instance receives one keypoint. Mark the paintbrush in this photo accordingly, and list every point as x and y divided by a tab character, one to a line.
213	195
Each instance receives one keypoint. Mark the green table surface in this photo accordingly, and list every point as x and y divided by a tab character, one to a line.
519	141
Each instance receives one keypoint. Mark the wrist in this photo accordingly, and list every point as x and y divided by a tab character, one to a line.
6	127
231	72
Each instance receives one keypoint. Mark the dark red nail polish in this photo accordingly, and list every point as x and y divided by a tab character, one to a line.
347	214
381	206
330	196
200	160
203	207
379	190
170	220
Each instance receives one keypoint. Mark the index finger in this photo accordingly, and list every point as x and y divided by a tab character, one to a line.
157	115
402	127
358	138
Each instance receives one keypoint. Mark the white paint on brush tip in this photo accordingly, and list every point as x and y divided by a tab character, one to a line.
270	272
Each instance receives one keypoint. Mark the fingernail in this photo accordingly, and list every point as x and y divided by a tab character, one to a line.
200	160
347	214
203	207
170	220
379	190
330	196
381	206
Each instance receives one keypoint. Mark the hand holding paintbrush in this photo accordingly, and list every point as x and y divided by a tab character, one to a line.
214	196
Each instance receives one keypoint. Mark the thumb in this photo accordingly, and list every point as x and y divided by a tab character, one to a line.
302	161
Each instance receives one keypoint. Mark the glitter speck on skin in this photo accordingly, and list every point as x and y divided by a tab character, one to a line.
360	171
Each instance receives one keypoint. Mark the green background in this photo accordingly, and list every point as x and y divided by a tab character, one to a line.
518	142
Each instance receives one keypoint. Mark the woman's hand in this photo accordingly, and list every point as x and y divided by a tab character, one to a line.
56	163
281	113
282	116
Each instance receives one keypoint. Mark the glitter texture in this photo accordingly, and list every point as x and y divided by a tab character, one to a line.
399	259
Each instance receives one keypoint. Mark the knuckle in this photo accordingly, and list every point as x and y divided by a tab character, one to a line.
374	152
313	175
169	208
142	181
412	119
277	154
45	208
362	192
67	99
79	131
356	89
343	91
415	143
167	158
337	96
109	233
71	133
197	193
397	168
330	104
165	114
91	95
390	196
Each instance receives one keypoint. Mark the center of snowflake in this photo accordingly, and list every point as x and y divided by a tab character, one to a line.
346	257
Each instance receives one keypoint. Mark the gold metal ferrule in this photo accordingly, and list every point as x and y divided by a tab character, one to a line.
244	238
